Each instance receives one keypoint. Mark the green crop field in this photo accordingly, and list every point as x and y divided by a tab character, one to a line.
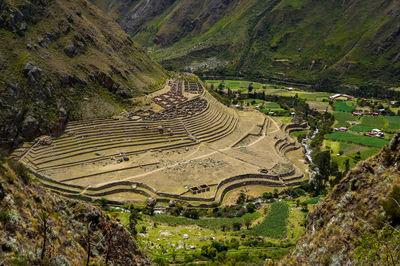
274	224
393	122
375	122
210	223
342	118
361	128
343	107
272	105
357	139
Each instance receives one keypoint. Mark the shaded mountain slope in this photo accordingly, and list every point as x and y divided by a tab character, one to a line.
24	206
353	208
354	41
63	60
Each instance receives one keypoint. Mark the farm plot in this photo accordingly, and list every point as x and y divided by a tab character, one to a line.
210	223
393	122
274	225
343	107
357	139
342	118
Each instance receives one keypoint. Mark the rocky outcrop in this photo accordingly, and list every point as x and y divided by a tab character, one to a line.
72	224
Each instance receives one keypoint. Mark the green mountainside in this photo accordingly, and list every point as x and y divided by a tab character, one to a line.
63	60
353	41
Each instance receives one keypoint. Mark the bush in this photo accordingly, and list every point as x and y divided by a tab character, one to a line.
251	207
392	206
191	213
20	170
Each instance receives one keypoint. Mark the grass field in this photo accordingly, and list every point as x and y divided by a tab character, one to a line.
342	118
357	139
361	128
364	155
210	223
375	122
343	107
274	224
393	122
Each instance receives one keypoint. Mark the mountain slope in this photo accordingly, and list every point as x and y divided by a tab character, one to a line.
25	209
355	41
352	209
63	60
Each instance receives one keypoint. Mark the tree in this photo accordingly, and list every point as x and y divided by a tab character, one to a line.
347	165
241	199
251	207
191	213
267	195
250	88
133	218
357	158
322	160
44	228
247	223
236	226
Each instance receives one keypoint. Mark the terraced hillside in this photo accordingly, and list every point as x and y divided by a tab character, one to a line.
355	41
193	148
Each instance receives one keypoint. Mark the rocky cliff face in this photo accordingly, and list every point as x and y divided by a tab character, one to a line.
353	207
29	214
355	41
63	60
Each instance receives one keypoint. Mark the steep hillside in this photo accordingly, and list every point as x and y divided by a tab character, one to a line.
354	211
355	41
63	60
30	214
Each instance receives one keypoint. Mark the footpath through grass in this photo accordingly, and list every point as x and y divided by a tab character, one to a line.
210	223
275	223
357	139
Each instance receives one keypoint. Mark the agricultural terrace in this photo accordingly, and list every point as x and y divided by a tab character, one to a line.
181	144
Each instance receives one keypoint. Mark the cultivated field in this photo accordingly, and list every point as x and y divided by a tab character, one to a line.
183	144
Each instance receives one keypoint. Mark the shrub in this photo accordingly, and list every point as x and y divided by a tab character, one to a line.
392	206
20	170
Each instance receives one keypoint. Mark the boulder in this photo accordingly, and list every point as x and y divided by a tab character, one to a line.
124	92
70	50
30	128
28	67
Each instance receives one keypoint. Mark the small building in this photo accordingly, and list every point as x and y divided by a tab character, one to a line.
343	129
375	114
289	89
393	102
357	114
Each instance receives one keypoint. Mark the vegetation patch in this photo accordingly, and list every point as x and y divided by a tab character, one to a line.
361	128
357	139
274	224
342	118
210	223
343	107
393	122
